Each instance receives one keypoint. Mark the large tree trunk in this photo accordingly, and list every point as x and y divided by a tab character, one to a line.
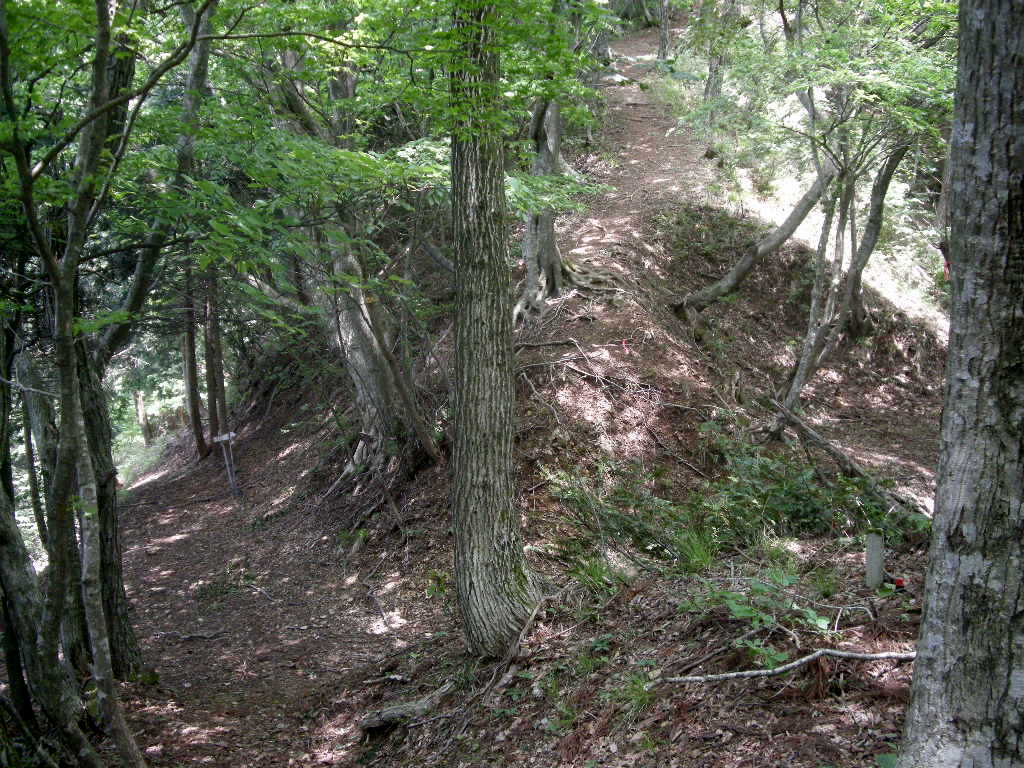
94	594
967	704
37	622
61	541
496	590
368	370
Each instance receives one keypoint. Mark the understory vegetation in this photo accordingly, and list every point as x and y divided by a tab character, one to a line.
468	383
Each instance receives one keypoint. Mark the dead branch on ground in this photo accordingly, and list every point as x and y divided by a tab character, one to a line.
748	673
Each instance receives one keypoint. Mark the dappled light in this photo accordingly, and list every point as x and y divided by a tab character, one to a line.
335	556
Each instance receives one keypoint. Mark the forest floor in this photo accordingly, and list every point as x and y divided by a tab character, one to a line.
276	622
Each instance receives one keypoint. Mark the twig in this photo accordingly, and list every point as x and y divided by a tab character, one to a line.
197	636
262	591
523	367
849	467
417	723
532	344
720	649
24	388
685	463
539	397
909	656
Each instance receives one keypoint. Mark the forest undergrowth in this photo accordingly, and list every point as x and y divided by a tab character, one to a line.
672	542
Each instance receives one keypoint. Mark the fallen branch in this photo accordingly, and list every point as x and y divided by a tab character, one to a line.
534	344
908	656
848	466
397	714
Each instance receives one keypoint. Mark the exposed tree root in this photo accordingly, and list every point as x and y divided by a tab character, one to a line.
397	714
533	299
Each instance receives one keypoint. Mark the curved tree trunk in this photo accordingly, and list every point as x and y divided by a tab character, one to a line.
372	384
967	701
704	298
825	329
804	367
496	590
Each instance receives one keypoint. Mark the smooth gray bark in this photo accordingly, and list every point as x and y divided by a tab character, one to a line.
967	703
826	326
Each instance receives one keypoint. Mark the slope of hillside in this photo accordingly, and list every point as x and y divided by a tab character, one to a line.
275	622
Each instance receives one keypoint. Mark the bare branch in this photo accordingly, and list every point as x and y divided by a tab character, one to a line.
173	60
748	673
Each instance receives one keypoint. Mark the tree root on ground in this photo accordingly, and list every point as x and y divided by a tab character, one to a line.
533	300
398	714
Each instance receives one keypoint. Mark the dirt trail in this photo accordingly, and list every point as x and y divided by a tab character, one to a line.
272	635
648	169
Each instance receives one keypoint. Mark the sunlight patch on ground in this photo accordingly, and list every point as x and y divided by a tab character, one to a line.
282	497
148	478
394	621
173	538
394	582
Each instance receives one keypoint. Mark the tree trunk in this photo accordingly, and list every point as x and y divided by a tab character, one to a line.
545	271
967	702
852	316
21	698
663	30
142	418
368	370
704	298
37	623
124	646
94	591
215	398
496	589
188	356
38	510
826	328
804	367
39	414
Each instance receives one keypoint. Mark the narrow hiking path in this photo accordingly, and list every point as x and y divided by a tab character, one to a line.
649	170
273	627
